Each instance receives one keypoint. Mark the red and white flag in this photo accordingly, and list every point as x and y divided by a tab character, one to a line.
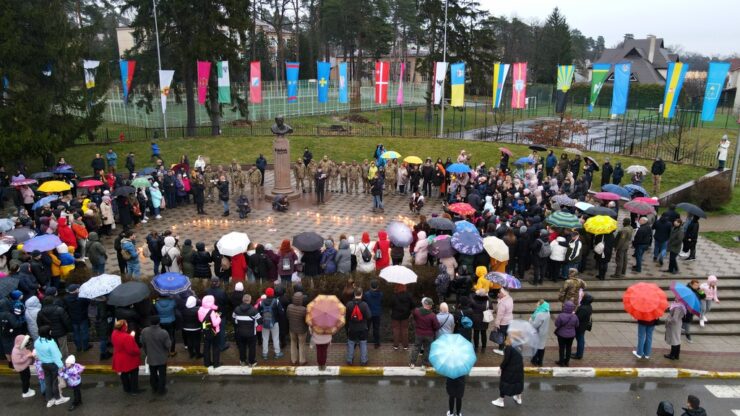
519	91
399	96
382	73
255	83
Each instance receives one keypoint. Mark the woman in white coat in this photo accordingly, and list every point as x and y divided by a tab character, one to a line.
360	249
170	249
421	249
106	211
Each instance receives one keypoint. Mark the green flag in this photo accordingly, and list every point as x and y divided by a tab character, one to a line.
224	90
598	77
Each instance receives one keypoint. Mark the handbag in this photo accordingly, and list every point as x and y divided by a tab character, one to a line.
497	337
488	316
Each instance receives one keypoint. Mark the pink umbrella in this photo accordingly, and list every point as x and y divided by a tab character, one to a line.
607	196
23	182
652	201
90	183
639	208
325	314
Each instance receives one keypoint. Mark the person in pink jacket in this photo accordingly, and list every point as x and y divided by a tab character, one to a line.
22	359
710	289
504	316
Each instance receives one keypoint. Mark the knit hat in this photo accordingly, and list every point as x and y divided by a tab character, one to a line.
191	302
70	360
522	229
270	292
50	291
73	288
188	242
35	253
543	232
155	184
16	294
712	279
239	286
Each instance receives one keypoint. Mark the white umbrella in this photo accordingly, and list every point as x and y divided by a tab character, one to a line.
572	150
99	286
637	168
399	234
233	243
496	248
398	274
583	206
4	248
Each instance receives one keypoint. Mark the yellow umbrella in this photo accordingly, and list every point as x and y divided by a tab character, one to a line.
414	160
600	224
54	186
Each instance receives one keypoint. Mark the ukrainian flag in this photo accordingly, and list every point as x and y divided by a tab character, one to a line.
457	76
673	84
499	79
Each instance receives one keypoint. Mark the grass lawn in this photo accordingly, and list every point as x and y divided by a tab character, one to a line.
221	150
723	238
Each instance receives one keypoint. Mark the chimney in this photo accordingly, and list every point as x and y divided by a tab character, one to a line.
628	36
651	52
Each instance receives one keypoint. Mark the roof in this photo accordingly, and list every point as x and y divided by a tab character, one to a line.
734	64
637	51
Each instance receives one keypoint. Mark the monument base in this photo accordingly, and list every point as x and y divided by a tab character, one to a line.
291	194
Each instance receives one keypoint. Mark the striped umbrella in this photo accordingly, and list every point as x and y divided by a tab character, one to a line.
564	220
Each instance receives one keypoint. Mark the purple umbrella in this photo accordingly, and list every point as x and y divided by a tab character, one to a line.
467	242
442	247
44	242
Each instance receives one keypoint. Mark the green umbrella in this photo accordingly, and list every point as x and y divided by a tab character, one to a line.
141	182
564	220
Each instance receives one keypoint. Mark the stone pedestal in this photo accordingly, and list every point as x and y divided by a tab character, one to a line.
281	153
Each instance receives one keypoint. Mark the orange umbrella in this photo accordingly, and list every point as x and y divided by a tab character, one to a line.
645	301
325	315
462	208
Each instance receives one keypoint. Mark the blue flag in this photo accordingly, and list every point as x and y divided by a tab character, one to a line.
622	72
343	83
291	78
322	82
715	83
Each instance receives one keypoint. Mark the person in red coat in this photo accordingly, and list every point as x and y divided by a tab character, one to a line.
382	252
238	267
126	357
66	234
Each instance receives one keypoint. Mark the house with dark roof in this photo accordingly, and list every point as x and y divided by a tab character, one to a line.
648	56
733	82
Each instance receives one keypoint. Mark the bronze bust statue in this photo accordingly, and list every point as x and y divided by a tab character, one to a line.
280	128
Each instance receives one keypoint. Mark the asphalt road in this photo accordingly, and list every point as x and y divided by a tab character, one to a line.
190	395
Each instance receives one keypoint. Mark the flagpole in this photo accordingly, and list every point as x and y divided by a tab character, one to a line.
444	60
159	62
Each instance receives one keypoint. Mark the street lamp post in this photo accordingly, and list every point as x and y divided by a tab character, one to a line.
444	60
159	62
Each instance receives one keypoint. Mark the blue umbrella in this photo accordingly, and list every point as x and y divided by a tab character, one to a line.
64	171
43	201
63	168
42	175
465	226
458	168
147	171
616	189
452	356
524	161
6	224
633	189
171	283
44	242
685	295
467	242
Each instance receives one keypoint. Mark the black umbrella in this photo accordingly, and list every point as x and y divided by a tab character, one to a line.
601	211
596	165
692	209
128	294
308	241
8	285
21	234
124	191
441	223
538	147
42	175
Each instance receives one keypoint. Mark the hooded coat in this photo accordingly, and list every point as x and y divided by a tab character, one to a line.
328	264
126	353
421	249
21	356
512	373
187	259
33	307
566	322
171	249
343	258
362	265
384	245
95	249
296	313
66	234
208	304
53	314
583	313
202	262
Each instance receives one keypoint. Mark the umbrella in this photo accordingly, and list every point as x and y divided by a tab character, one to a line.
523	336
467	242
43	201
504	280
44	242
685	295
572	150
564	200
147	171
607	196
90	183
128	294
171	283
21	234
65	166
645	301
399	234
390	154
564	220
594	162
633	189
442	247
99	286
507	151
6	224
496	248
637	168
398	274
600	224
692	209
538	147
452	356
458	168
123	191
308	241
640	208
325	315
414	160
652	201
583	206
234	243
441	223
7	285
54	186
42	175
524	161
4	248
462	208
465	226
23	182
616	189
594	211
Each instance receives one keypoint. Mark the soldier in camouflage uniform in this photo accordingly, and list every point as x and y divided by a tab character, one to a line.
255	178
365	172
299	172
238	180
355	173
311	170
209	176
391	180
343	175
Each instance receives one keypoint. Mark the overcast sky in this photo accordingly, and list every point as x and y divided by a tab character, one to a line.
710	27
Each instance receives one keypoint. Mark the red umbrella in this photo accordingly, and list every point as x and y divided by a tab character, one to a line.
607	196
462	208
507	151
325	314
90	183
639	208
652	201
23	182
645	301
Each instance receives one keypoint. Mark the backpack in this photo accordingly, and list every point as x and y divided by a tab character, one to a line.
356	314
270	313
167	259
465	321
545	250
366	255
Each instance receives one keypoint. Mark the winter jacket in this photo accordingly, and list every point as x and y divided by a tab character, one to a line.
643	236
54	315
48	352
33	307
558	249
66	234
573	254
311	263
95	250
173	251
425	322
77	308
374	299
343	258
27	281
479	304
296	313
286	263
541	323
384	246
246	319
126	353
357	325
446	323
328	264
566	322
166	310
401	306
583	312
571	289
504	311
187	260
156	343
202	264
624	237
662	229
21	356
675	240
421	249
362	265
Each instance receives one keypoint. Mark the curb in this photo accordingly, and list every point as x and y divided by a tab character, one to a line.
356	371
